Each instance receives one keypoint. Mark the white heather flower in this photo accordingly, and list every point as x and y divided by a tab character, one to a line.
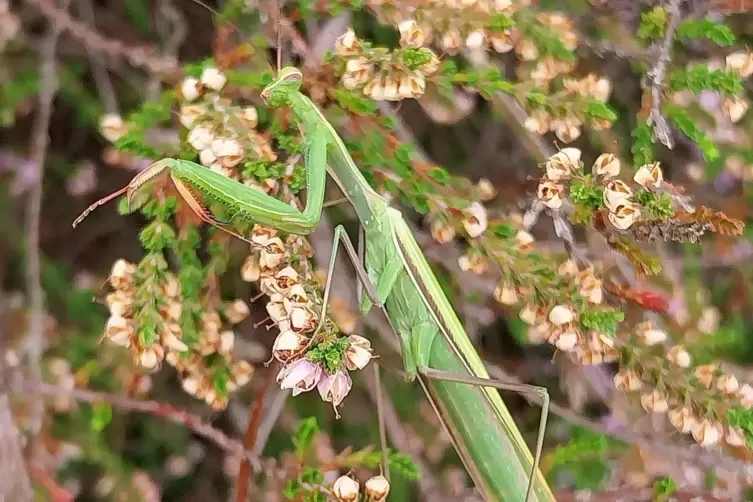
502	42
746	396
600	89
227	342
624	216
652	336
568	269
412	86
334	388
566	341
705	374
250	116
451	40
148	358
527	50
560	315
550	193
567	130
606	165
411	35
358	354
649	176
475	220
506	294
347	44
537	122
287	344
654	402
627	380
475	39
523	240
190	88
189	114
391	86
229	151
301	376
377	488
740	63
112	127
528	314
679	356
728	384
200	138
682	419
237	311
735	436
441	231
707	433
563	164
616	193
375	89
345	489
734	108
213	78
207	157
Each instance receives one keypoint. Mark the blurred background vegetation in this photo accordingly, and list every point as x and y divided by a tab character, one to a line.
91	92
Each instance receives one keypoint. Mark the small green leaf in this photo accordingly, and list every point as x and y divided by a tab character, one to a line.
653	24
600	110
101	415
405	466
304	436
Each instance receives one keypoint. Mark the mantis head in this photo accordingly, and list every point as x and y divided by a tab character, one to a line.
287	82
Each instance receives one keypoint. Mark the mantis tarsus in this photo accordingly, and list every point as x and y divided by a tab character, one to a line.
396	278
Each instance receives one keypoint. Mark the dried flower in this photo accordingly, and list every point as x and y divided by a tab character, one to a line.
506	294
112	127
345	489
200	138
649	176
746	396
735	107
679	356
358	354
616	193
705	374
549	193
627	380
301	376
682	419
566	341
563	164
334	388
528	314
561	314
728	384
347	44
740	63
523	240
735	437
377	488
475	220
654	402
707	433
606	165
189	114
650	335
190	88
624	216
441	231
411	35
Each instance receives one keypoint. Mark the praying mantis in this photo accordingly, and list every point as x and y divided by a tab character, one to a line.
396	278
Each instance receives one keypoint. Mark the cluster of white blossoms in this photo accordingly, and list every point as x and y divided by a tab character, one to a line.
128	308
294	308
618	197
346	489
684	416
567	128
735	107
385	76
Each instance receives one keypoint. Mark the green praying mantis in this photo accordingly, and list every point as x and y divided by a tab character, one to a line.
396	278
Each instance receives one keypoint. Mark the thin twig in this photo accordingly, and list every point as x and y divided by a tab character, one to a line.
99	70
33	342
153	408
249	439
144	57
15	483
658	73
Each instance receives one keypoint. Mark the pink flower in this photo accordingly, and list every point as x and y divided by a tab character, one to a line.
334	388
301	376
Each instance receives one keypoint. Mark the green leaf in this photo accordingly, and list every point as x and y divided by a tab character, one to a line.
304	436
503	231
404	465
699	77
653	24
101	415
138	11
642	148
600	111
694	29
687	125
602	321
664	488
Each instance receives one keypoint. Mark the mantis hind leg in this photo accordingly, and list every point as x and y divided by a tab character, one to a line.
539	393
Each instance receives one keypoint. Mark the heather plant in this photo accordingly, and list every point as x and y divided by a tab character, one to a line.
592	243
